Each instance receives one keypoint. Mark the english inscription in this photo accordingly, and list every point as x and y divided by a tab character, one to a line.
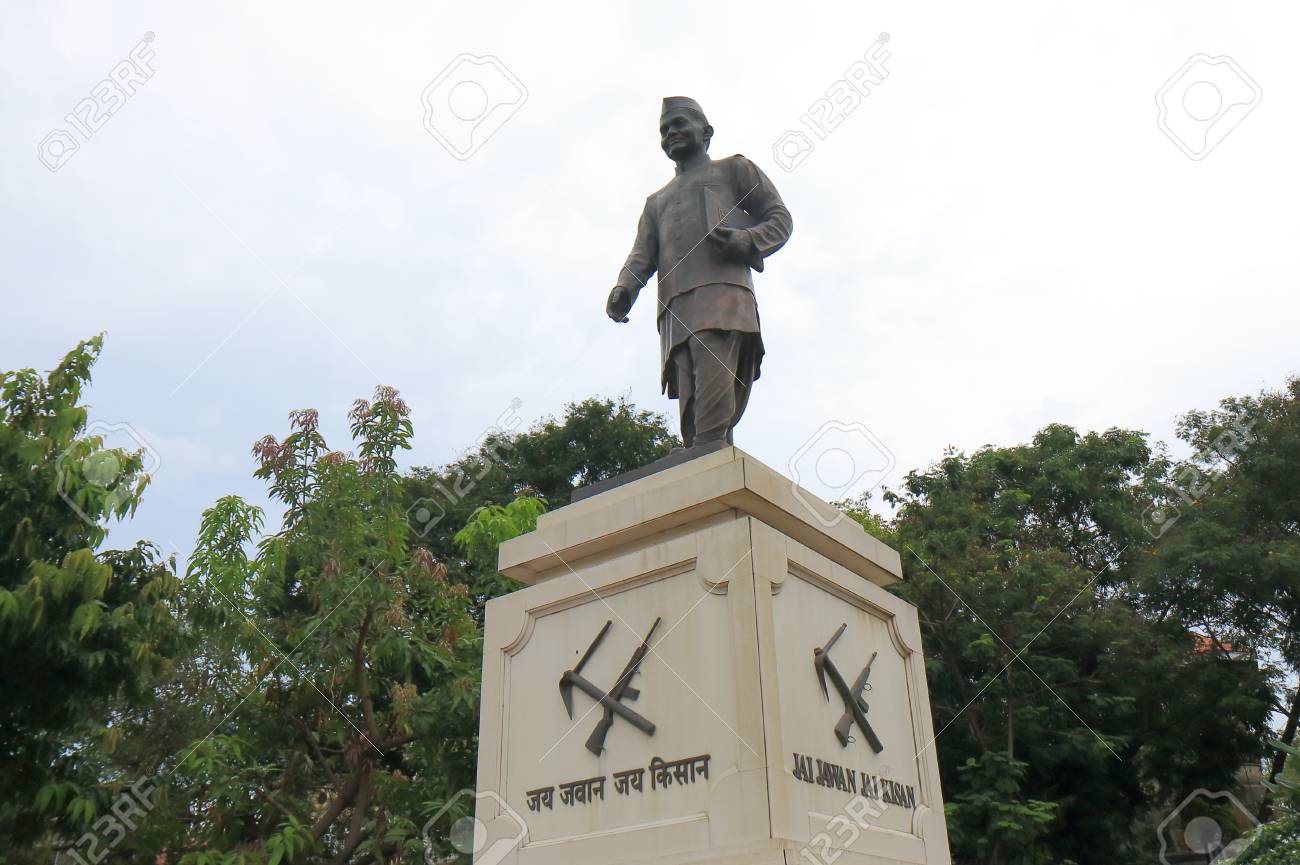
824	773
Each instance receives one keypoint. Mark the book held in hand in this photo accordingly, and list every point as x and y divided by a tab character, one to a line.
719	212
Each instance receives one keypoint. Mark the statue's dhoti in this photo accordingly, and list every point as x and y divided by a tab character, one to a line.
712	372
711	351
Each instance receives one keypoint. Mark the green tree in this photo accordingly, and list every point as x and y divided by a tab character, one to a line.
1228	560
81	629
1278	841
324	702
336	668
1063	715
595	440
492	525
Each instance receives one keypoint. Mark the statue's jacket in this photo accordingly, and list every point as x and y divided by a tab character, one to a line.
670	241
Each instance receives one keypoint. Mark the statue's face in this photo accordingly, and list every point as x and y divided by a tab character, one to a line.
683	134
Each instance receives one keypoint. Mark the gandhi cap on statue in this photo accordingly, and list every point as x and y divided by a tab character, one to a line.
681	103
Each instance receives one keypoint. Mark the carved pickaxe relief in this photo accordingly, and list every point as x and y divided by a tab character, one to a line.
611	701
855	705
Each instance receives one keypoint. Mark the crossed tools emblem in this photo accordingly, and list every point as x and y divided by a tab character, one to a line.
855	705
611	701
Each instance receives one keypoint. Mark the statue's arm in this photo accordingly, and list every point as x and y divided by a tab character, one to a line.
640	264
761	201
638	268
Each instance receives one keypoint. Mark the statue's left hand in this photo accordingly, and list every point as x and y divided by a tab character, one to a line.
733	243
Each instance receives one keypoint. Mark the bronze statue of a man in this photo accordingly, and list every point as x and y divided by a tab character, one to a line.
703	233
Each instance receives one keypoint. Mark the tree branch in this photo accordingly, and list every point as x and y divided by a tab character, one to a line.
362	681
315	747
356	825
398	740
336	806
276	803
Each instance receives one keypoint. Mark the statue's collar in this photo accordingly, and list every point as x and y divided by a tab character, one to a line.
697	162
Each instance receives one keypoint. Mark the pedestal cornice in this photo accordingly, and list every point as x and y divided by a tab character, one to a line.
728	479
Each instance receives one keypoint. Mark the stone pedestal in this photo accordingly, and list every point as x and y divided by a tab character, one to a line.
731	752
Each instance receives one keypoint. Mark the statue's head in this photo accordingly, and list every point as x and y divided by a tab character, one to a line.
683	129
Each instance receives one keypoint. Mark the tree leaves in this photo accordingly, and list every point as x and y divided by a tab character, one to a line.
1064	711
492	525
312	694
336	649
80	627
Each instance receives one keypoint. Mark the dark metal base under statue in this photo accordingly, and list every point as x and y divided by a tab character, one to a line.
675	458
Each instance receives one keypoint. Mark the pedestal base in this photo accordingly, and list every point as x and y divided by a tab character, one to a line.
706	668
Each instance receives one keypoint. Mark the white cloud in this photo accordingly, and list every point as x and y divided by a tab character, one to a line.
997	238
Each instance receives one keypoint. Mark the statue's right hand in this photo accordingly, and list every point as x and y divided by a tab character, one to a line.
619	304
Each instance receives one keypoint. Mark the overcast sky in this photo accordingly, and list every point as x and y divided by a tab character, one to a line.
999	235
